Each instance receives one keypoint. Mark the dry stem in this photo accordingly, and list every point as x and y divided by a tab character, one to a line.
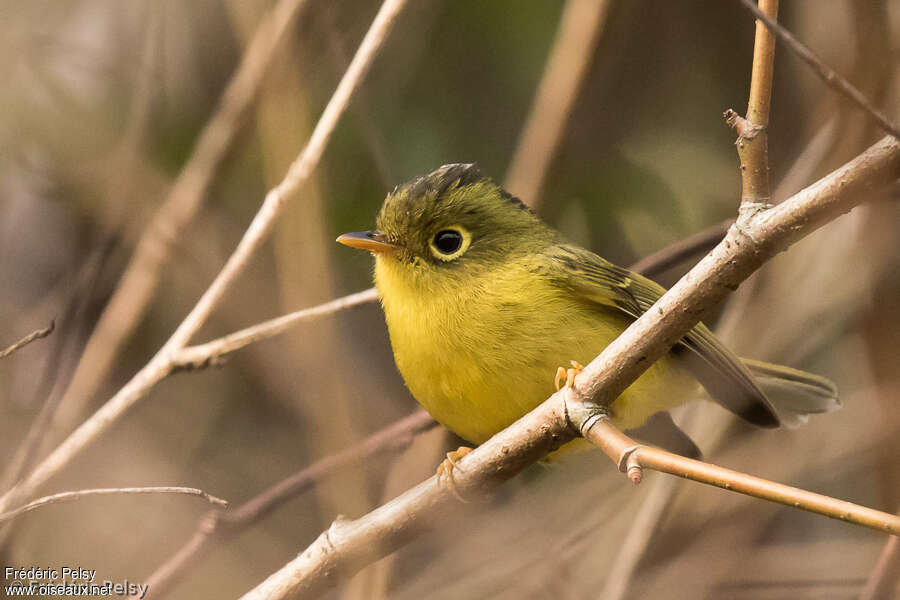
79	494
753	139
632	458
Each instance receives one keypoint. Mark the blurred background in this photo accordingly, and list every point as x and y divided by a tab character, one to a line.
105	104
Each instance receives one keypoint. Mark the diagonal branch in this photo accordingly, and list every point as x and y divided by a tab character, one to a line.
162	364
213	530
350	544
215	351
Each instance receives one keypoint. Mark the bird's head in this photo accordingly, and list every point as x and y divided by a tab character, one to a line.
448	225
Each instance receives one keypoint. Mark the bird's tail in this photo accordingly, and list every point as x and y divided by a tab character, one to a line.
795	394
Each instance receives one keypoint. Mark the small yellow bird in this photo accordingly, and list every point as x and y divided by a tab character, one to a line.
484	301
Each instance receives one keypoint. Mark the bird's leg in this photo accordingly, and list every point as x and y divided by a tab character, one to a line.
445	469
568	374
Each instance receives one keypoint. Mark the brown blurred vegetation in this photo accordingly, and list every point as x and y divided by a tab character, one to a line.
102	101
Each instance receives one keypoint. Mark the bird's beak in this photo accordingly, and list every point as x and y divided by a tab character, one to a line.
373	241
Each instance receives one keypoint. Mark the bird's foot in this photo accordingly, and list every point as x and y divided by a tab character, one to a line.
445	470
568	375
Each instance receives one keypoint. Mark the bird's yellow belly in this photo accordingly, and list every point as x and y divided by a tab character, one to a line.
477	364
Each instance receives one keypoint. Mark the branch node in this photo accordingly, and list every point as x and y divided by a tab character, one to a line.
744	128
632	465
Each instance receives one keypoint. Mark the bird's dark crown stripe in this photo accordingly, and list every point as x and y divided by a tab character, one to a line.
440	181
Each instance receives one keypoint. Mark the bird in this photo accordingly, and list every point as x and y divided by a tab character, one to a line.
484	301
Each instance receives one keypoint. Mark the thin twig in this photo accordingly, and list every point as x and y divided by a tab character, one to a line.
580	26
760	101
218	528
79	494
350	544
214	352
34	335
753	138
161	365
137	285
829	75
632	458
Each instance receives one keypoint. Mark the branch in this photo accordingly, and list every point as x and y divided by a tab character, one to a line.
79	494
829	75
753	139
218	528
215	351
34	335
350	544
632	458
581	24
162	364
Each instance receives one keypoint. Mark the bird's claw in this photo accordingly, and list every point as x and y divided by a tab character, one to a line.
445	470
568	375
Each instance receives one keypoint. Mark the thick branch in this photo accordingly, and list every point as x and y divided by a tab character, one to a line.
215	529
349	545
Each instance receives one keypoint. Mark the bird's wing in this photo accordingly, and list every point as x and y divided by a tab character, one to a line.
721	372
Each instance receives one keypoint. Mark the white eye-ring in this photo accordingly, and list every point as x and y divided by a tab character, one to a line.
450	243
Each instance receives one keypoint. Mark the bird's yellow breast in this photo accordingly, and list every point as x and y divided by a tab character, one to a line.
480	355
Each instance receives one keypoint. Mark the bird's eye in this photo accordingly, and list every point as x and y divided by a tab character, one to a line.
448	241
447	244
